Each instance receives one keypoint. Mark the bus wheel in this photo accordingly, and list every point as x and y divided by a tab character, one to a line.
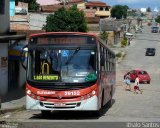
97	113
109	104
102	99
45	113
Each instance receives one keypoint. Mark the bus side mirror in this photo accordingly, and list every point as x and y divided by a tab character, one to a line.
24	54
102	60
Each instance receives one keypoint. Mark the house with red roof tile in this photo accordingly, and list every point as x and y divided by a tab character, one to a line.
102	9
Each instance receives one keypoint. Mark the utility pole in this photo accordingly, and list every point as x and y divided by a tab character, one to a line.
64	3
129	25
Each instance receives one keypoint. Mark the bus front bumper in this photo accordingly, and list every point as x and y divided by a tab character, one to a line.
90	104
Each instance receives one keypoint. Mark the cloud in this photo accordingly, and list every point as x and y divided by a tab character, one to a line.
131	1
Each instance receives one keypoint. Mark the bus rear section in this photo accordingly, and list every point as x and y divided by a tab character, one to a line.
64	73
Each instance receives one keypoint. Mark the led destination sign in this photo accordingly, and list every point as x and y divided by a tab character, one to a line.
74	39
46	77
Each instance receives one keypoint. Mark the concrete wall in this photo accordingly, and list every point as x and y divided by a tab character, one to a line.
19	22
3	68
37	20
4	19
4	28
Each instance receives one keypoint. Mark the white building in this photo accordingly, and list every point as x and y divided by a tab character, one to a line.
143	10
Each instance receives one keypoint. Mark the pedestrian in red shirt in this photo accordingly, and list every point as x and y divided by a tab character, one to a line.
136	86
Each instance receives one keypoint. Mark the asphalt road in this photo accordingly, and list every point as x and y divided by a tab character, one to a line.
127	106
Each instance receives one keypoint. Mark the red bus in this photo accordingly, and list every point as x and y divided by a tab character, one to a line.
69	71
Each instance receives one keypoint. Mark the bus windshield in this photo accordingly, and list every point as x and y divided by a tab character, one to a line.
69	65
155	28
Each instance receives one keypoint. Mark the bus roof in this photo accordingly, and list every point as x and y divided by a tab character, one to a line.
60	33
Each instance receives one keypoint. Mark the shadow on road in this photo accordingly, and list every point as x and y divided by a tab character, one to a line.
14	94
74	115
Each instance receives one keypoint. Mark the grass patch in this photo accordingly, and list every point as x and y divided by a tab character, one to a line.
124	42
119	55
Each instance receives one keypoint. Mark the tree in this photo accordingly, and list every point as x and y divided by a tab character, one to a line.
148	9
119	11
157	19
66	20
104	36
32	4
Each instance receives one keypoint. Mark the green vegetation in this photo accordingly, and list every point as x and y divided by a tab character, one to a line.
157	19
124	42
119	54
119	11
66	20
148	9
32	4
104	36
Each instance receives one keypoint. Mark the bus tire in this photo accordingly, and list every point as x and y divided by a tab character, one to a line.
102	99
96	113
109	104
45	113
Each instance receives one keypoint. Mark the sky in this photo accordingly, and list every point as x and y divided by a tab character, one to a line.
135	3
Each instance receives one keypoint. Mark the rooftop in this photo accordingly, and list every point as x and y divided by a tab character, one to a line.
97	3
48	2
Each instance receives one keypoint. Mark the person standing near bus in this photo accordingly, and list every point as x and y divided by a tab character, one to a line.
136	86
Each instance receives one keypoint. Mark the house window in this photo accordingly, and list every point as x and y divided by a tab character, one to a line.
106	9
101	9
16	2
87	7
95	8
2	6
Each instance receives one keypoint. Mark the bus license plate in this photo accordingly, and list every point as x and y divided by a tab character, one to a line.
59	105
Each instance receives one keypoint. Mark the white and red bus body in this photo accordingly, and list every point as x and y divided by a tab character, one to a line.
70	92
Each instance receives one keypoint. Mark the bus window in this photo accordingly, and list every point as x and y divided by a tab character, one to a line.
79	67
51	65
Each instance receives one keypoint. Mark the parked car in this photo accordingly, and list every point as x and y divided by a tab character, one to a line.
143	76
155	29
150	51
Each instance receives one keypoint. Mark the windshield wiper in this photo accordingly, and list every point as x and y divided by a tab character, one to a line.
71	57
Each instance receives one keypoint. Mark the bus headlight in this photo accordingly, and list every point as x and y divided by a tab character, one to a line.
29	92
34	96
93	92
89	95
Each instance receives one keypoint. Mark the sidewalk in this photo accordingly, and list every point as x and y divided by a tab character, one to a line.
13	100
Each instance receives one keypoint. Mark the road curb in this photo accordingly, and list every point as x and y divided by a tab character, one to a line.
3	111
